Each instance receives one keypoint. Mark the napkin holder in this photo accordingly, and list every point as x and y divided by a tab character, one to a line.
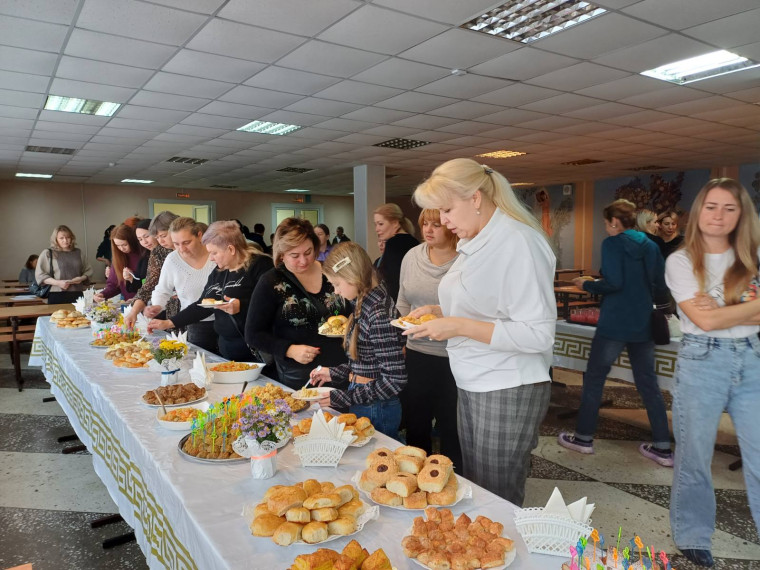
325	443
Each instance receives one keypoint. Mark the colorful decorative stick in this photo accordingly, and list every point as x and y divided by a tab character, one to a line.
595	538
639	545
620	531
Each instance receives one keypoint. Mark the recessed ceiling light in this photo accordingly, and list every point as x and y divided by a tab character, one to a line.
30	175
401	144
50	149
187	160
137	181
530	20
522	184
296	190
84	106
502	154
294	170
701	67
266	128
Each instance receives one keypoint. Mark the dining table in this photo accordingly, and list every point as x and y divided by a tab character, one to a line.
21	299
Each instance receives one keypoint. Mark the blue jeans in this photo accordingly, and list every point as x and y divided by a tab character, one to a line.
385	415
712	374
604	351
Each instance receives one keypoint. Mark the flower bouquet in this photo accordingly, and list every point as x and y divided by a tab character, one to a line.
102	316
264	427
167	354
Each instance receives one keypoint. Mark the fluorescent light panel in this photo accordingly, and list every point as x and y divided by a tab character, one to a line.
701	67
266	128
514	184
137	181
83	106
502	154
297	190
530	20
30	175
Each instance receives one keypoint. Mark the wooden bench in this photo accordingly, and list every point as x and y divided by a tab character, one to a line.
23	333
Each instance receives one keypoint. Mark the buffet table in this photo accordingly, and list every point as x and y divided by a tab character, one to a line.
187	514
572	345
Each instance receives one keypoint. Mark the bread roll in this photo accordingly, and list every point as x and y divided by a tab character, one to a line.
408	464
386	497
261	509
381	470
346	493
380	452
365	484
325	514
447	496
416	500
298	515
403	484
272	490
287	533
363	423
314	532
312	487
282	500
327	486
411	450
439	460
353	508
348	419
342	526
433	478
265	525
322	500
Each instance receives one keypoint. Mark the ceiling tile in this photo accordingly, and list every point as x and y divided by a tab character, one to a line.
21	99
625	87
750	51
321	57
578	77
150	114
466	110
18	112
167	101
665	97
467	127
139	124
184	84
516	95
377	115
743	79
226	109
603	111
415	102
523	64
681	14
116	49
217	122
751	95
24	81
340	124
101	72
202	6
245	42
60	12
259	97
291	118
357	92
713	103
74	118
313	17
736	30
425	122
654	53
460	49
549	123
326	107
27	61
139	20
561	103
463	87
67	128
449	11
401	73
212	66
291	80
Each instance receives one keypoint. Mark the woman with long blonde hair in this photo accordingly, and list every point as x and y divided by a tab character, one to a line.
375	373
498	314
715	280
397	233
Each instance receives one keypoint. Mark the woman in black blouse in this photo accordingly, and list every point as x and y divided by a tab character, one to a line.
396	231
290	303
239	268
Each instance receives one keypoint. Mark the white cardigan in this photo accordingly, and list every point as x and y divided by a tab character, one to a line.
504	275
188	282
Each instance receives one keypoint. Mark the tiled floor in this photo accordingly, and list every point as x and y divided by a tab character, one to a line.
48	499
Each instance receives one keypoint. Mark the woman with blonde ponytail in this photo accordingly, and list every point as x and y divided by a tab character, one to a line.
397	231
498	314
375	372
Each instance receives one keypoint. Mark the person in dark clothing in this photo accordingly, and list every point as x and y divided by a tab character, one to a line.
258	237
670	237
397	232
104	249
289	305
634	278
239	269
339	236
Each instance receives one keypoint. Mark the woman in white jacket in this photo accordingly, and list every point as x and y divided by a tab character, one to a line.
499	317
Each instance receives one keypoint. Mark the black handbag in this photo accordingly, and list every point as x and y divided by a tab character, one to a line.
42	291
659	319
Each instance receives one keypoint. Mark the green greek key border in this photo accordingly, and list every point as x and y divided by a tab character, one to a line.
579	347
164	544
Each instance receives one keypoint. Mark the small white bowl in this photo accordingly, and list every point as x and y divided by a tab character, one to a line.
236	377
180	426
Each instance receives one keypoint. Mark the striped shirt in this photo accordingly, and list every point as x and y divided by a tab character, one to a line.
381	357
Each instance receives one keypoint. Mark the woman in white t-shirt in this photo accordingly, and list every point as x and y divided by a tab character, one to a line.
714	280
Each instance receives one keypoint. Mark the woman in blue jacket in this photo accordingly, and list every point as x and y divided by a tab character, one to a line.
633	271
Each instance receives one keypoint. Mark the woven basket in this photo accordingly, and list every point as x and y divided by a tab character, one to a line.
318	452
549	534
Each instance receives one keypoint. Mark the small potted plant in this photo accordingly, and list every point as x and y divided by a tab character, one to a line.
265	427
167	354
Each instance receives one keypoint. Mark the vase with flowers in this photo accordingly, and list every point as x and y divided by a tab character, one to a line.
167	354
102	316
264	427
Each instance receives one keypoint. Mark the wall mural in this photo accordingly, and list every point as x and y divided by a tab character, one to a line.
555	211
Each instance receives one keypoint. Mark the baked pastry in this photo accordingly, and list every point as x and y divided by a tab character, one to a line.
346	493
298	515
348	419
265	525
261	509
320	560
272	490
433	478
403	484
314	532
327	486
354	551
386	497
439	460
353	508
342	526
325	514
362	424
382	470
282	500
322	500
365	484
312	487
447	496
411	450
287	533
416	500
408	463
378	453
377	561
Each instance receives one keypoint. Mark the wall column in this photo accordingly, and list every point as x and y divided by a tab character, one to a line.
369	193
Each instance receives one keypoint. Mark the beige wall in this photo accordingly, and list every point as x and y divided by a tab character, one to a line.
30	211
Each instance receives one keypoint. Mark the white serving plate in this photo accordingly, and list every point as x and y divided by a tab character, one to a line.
322	391
203	459
508	559
464	491
236	377
175	405
180	426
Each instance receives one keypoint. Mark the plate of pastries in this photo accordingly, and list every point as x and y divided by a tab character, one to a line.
361	427
174	395
439	541
108	338
408	322
72	320
334	326
409	479
59	314
352	557
309	512
130	355
270	393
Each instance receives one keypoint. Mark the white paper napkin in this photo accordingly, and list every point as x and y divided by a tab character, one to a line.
141	325
199	373
181	337
580	510
321	428
556	505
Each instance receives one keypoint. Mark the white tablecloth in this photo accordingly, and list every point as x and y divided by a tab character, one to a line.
572	345
186	514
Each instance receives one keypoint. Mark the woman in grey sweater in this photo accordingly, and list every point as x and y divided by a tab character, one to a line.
68	269
431	391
